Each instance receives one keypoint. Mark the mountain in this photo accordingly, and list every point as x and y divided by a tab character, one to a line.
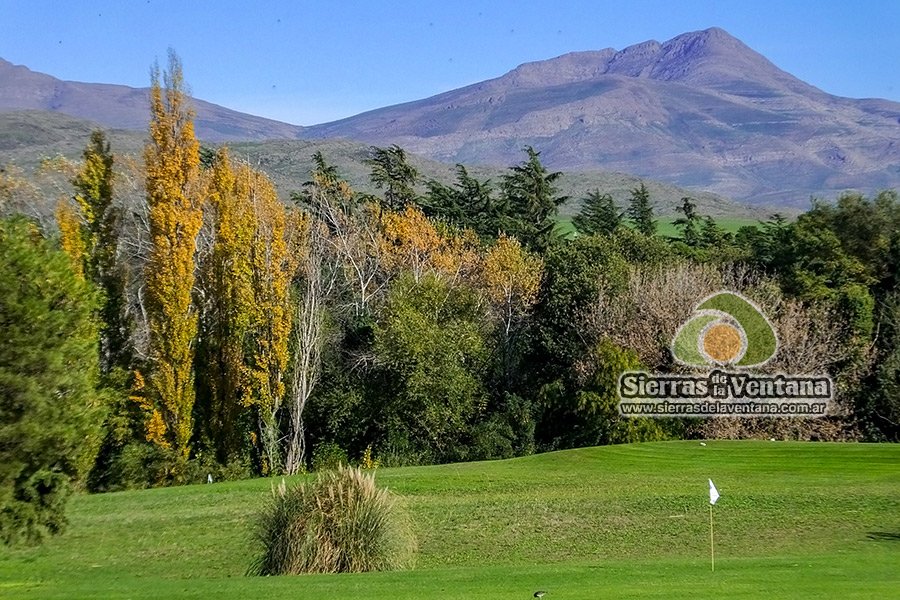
123	107
701	110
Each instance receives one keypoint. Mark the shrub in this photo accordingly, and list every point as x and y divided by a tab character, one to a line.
368	461
339	523
329	456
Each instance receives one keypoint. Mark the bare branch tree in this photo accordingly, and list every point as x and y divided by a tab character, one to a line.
316	278
134	248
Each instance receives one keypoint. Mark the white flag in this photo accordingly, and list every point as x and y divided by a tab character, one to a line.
713	492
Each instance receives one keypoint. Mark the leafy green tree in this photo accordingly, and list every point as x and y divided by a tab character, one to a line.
97	226
689	223
813	262
640	249
868	231
640	211
326	192
879	402
208	157
598	215
575	273
94	195
323	172
764	243
530	192
591	417
50	411
391	171
430	346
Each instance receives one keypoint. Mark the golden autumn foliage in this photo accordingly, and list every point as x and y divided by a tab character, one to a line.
87	222
156	427
175	217
272	267
227	284
411	242
71	235
511	279
247	319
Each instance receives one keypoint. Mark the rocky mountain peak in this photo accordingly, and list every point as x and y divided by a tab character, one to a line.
708	57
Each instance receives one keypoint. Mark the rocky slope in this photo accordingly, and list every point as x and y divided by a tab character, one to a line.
701	110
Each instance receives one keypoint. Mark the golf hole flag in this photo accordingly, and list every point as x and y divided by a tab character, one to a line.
713	496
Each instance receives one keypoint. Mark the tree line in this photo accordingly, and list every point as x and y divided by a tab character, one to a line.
183	322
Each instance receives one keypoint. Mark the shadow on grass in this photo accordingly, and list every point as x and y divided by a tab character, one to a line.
884	536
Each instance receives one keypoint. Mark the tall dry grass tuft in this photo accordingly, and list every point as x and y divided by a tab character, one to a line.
339	523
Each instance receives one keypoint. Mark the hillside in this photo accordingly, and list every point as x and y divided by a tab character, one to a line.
795	520
123	107
28	136
701	110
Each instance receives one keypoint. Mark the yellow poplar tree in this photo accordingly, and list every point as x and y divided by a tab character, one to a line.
71	235
246	316
272	267
175	217
227	285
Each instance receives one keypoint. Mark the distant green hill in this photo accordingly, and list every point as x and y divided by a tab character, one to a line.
28	136
795	520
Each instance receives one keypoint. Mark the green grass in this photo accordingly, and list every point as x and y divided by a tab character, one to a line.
794	521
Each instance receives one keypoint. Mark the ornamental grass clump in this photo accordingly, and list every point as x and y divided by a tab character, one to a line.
339	523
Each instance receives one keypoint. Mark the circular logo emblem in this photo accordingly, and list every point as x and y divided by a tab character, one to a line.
726	329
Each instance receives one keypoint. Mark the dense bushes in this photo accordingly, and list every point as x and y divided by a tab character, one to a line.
339	523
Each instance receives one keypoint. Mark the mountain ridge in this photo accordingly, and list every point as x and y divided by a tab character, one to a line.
702	110
124	107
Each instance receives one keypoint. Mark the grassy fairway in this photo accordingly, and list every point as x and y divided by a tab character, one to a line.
794	521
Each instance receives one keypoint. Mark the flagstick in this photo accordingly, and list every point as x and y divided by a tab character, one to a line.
712	553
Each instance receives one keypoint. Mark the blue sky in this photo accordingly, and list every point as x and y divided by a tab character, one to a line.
309	62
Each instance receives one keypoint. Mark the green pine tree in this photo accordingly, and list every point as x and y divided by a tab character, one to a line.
640	211
531	199
689	223
391	171
50	411
598	215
